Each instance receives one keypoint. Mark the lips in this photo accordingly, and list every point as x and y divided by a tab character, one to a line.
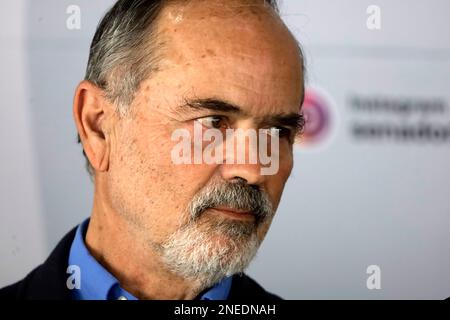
234	213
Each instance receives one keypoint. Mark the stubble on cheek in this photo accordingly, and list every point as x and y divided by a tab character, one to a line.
145	188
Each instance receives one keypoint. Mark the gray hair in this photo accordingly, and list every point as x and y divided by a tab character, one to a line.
124	50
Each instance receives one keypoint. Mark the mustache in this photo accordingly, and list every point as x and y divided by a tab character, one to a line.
234	195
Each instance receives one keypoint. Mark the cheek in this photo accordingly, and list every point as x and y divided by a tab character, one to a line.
262	231
141	184
148	187
275	183
274	186
286	165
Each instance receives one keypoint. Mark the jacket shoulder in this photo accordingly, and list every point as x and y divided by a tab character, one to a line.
17	291
245	288
47	281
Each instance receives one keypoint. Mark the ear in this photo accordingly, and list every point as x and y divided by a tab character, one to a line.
90	112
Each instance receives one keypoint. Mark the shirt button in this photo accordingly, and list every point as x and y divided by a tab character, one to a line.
122	298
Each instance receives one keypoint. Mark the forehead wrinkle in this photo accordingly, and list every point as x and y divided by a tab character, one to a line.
191	47
222	8
190	14
250	86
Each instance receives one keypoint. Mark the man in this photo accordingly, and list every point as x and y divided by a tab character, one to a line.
161	229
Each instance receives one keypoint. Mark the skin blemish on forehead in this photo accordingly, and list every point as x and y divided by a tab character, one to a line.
176	15
211	52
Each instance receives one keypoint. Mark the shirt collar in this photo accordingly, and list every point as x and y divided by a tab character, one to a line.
220	291
98	284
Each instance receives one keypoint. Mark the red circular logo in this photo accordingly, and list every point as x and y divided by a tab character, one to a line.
316	110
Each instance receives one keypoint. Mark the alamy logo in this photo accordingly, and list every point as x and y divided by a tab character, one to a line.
73	21
374	18
374	280
74	280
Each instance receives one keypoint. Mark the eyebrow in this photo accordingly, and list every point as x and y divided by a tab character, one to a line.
212	105
295	121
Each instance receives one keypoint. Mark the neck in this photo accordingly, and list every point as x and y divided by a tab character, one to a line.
115	243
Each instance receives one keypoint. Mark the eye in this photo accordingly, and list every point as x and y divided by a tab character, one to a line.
213	122
282	132
285	132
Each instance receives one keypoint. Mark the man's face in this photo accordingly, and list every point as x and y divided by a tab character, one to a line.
213	52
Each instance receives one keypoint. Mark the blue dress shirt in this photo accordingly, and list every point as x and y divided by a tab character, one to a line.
98	284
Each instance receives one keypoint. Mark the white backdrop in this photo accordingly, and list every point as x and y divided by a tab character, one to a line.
380	197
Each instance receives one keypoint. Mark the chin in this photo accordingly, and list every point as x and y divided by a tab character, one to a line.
208	255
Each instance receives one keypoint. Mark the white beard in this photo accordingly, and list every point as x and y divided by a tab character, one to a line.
208	251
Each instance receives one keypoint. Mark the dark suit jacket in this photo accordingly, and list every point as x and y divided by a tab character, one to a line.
48	281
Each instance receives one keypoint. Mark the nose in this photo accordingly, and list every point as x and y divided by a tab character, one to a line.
242	158
250	173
